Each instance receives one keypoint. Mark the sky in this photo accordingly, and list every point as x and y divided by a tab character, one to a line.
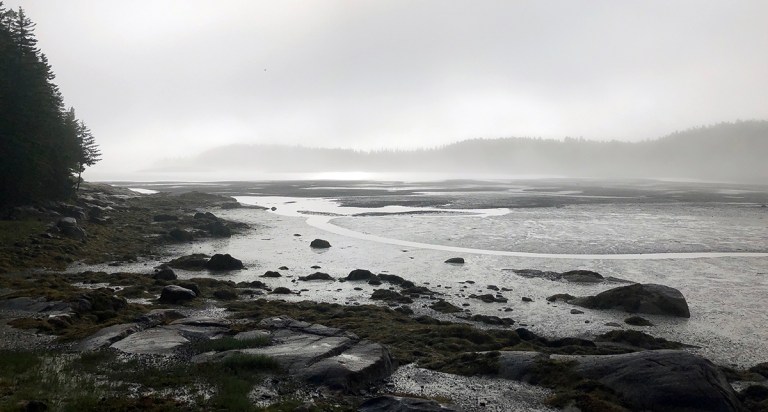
168	79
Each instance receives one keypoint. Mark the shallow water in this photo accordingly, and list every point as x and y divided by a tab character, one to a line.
714	253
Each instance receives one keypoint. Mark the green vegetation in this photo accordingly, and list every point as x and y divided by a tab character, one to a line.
44	145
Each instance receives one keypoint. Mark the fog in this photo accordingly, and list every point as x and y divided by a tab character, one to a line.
158	80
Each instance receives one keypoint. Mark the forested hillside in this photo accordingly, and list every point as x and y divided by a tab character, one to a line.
43	146
723	152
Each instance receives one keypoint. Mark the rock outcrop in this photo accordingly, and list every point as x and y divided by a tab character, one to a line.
319	355
390	403
639	298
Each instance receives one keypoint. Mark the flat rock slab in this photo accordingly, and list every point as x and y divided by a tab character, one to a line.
155	341
401	404
36	305
319	354
108	336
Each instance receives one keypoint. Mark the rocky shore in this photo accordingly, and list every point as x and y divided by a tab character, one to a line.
94	340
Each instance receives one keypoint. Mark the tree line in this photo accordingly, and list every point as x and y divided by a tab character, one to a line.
44	147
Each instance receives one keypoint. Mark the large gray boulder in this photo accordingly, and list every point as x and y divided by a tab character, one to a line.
659	380
639	298
176	294
664	381
69	228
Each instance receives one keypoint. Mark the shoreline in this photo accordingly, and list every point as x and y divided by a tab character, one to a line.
310	311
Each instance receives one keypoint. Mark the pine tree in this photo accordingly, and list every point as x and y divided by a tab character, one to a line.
43	147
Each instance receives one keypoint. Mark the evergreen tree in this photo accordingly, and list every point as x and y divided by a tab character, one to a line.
43	147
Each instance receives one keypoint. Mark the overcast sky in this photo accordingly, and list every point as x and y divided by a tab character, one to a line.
158	79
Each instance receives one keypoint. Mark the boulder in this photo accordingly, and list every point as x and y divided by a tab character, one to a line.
165	273
281	291
176	294
320	244
271	274
360	274
223	262
663	380
317	276
637	321
69	228
457	260
639	298
389	403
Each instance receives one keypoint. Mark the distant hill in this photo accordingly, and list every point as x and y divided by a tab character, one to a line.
723	152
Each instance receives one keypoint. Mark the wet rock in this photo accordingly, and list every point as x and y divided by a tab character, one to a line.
493	287
396	280
455	260
283	268
181	235
582	276
206	215
281	291
561	296
317	276
639	298
488	298
176	294
526	299
69	228
223	262
165	218
417	291
375	281
389	403
492	320
576	312
637	321
108	336
390	296
165	273
444	307
761	369
320	244
613	324
664	380
271	274
320	355
195	261
360	274
638	339
157	341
